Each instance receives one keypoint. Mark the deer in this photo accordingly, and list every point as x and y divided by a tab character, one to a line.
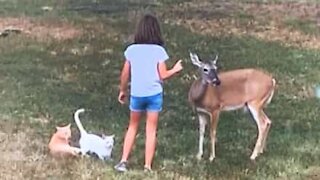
215	92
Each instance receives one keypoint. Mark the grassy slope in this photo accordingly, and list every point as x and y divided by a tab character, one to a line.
36	84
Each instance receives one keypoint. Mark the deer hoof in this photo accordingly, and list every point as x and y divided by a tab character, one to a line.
211	158
199	156
253	157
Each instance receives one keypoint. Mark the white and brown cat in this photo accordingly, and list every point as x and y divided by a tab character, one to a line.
59	144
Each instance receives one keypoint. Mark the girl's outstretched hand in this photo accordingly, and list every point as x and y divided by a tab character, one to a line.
122	97
178	66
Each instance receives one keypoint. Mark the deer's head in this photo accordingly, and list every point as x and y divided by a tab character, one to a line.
208	70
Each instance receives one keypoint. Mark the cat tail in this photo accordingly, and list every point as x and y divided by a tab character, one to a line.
77	119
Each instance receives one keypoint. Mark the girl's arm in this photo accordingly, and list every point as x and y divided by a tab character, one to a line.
124	78
164	73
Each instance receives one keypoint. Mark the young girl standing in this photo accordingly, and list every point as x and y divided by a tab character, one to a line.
145	64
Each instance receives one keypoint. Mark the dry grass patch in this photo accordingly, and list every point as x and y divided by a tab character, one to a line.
25	156
17	151
265	21
40	30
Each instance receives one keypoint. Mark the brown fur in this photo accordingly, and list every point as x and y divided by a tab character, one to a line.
239	88
59	143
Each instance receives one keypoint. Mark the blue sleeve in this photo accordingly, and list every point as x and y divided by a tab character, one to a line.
162	55
127	54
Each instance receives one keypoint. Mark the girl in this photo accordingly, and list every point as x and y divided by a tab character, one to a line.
145	64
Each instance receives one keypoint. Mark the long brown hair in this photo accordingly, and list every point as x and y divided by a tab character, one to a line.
148	31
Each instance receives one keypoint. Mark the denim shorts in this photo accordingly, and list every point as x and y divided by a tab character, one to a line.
149	103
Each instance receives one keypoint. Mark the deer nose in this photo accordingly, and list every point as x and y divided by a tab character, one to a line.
218	82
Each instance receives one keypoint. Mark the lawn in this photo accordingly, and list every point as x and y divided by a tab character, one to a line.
69	55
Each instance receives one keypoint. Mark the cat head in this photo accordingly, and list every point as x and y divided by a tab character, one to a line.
109	140
64	132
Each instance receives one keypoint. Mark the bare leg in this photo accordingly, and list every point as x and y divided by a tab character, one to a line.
151	133
130	135
214	122
202	129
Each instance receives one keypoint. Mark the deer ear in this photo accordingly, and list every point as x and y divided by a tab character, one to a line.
195	59
214	62
105	136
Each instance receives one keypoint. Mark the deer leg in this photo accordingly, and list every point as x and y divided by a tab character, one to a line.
268	123
202	129
214	122
255	112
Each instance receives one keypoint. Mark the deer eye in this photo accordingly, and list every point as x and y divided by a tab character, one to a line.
205	70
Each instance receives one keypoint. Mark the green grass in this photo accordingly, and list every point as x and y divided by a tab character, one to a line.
278	1
306	26
34	83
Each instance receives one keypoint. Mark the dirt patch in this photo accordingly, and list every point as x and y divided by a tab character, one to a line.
40	30
312	173
265	21
280	11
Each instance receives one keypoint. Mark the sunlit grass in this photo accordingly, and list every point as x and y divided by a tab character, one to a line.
43	82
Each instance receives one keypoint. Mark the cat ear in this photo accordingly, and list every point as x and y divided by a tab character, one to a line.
63	127
105	136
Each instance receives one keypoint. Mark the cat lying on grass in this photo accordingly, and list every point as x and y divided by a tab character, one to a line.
94	144
59	143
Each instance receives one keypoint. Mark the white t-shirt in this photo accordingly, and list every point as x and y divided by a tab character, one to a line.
144	59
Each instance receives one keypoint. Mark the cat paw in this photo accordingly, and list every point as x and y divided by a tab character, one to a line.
77	152
86	155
